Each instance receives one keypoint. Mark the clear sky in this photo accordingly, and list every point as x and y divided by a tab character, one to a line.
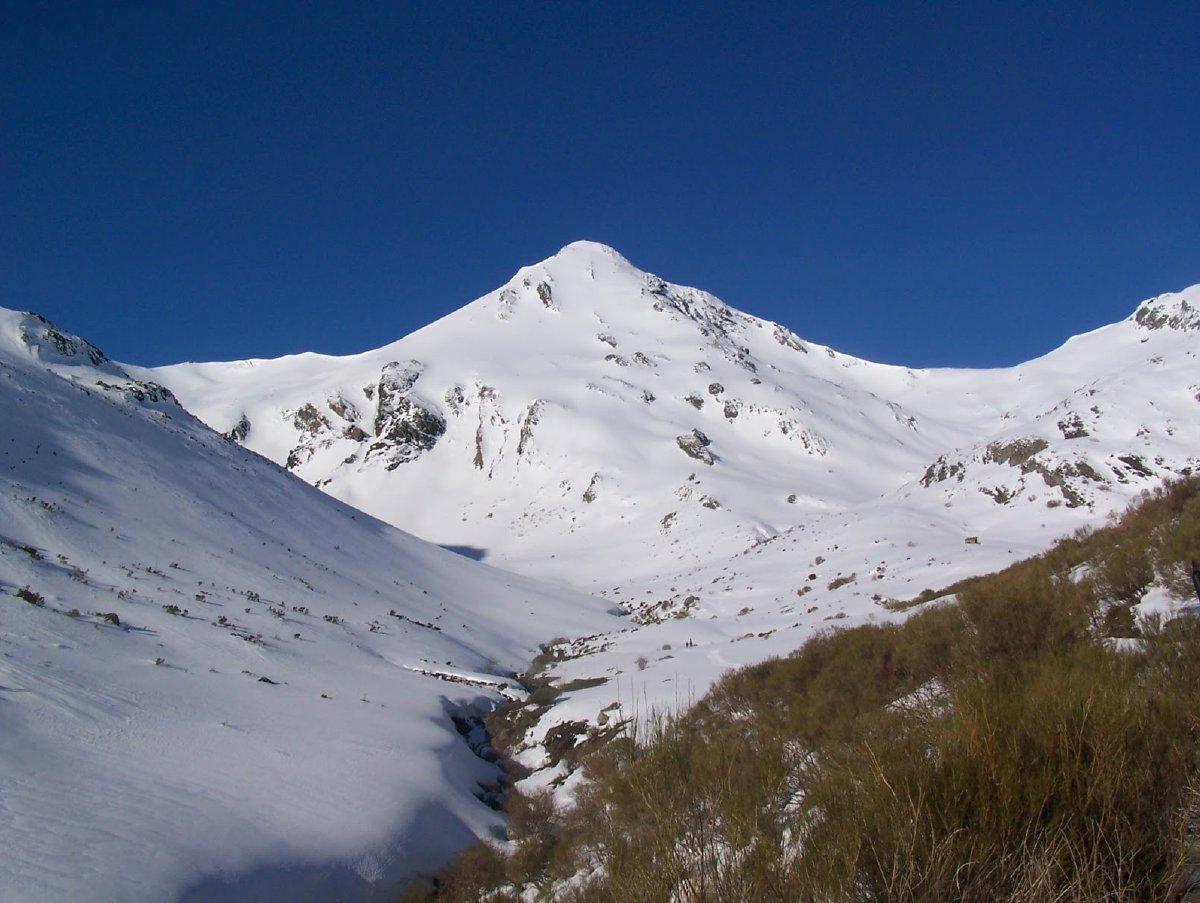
917	183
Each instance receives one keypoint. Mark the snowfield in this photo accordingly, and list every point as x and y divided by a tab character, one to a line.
682	488
218	669
730	484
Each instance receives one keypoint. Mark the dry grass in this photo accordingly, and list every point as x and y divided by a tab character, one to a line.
992	749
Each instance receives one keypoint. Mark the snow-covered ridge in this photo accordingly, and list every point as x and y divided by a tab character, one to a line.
730	485
552	423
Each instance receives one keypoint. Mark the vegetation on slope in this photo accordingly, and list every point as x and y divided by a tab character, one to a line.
998	745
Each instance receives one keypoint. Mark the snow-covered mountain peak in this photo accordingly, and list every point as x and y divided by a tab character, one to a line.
30	340
588	274
587	406
732	487
585	251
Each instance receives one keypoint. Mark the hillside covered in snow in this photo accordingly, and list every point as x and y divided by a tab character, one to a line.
588	412
220	658
733	486
209	670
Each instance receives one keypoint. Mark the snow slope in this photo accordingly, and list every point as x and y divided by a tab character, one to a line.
588	413
269	700
730	484
211	671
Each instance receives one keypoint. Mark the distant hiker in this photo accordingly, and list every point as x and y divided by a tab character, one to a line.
1196	577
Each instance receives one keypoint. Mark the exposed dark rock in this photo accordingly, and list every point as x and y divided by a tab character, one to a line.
695	445
1160	313
529	421
789	339
309	420
1136	464
404	427
941	470
344	409
66	345
455	399
1072	426
239	431
589	494
1015	452
143	392
1001	495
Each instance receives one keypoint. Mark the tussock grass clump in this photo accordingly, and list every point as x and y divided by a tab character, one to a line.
1060	777
477	872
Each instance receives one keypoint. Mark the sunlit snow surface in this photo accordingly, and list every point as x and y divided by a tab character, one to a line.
564	396
123	779
565	392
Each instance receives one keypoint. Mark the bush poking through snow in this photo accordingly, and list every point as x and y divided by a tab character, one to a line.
30	596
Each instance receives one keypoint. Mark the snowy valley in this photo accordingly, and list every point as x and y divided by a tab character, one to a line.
211	670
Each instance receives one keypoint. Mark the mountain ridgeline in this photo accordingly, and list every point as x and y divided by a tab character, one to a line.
218	643
587	412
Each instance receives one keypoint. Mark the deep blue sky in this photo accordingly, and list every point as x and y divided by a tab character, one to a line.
925	184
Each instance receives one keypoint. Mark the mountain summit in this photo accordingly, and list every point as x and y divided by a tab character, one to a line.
587	412
205	657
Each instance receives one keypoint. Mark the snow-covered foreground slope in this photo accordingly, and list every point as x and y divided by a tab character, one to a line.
208	669
731	485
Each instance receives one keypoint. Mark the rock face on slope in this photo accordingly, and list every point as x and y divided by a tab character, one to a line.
555	422
695	445
397	428
404	427
1171	311
53	346
31	336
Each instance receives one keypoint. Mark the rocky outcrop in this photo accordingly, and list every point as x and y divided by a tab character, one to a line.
695	445
239	431
1015	452
1167	312
941	470
405	428
56	346
145	393
720	324
531	419
789	339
